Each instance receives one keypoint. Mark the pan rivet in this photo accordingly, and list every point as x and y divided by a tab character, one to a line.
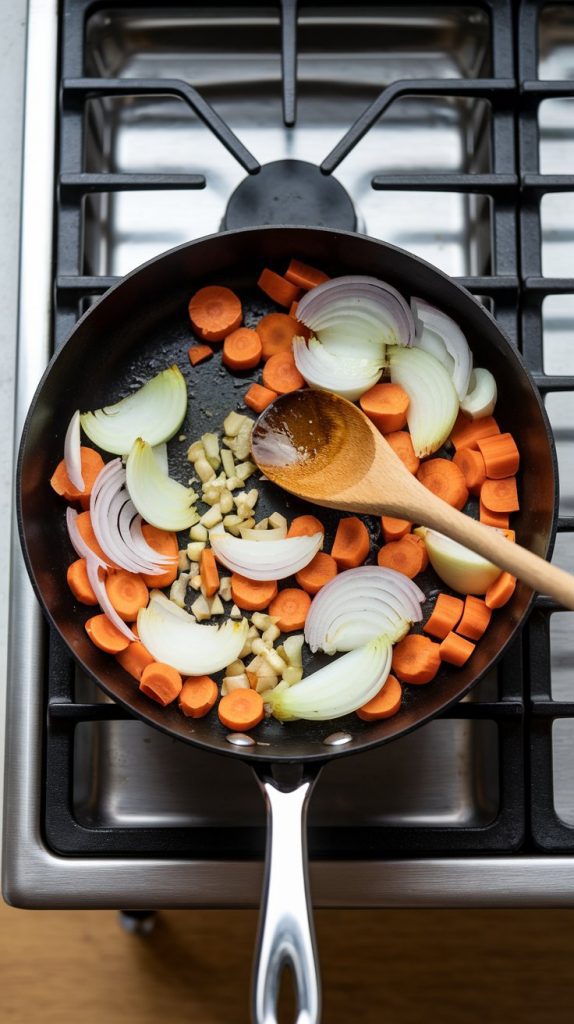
337	739
240	739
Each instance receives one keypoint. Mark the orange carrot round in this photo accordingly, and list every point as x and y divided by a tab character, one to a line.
500	454
242	349
385	704
400	442
445	615
416	659
467	433
455	649
305	526
500	495
500	592
79	584
127	593
165	543
277	331
161	682
290	608
475	618
471	465
402	556
241	710
258	398
252	595
198	353
208	572
92	464
197	696
304	276
395	529
215	312
418	542
445	480
352	543
134	659
498	519
320	570
105	635
278	288
281	375
386	405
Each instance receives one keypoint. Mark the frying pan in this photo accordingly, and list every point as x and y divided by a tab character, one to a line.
138	328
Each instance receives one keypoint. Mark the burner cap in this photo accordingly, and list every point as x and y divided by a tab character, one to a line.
290	192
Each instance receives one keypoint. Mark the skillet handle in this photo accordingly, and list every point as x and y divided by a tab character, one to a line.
286	932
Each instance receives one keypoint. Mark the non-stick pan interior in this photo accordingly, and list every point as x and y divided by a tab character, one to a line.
142	326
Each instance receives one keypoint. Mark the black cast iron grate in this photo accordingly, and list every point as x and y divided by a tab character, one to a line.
515	288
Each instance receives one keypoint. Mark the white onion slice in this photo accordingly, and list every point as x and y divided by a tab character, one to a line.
455	342
160	452
338	688
435	346
433	402
258	561
372	305
362	603
192	649
458	567
113	515
155	413
481	396
93	566
347	377
73	453
160	500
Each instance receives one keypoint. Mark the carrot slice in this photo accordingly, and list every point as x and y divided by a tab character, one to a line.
317	573
242	349
290	608
161	682
456	650
304	276
475	618
471	465
293	310
416	659
467	433
215	312
281	375
500	592
385	704
282	292
127	592
445	615
258	398
445	480
402	556
277	331
352	543
498	519
395	529
92	464
165	543
305	526
197	696
500	495
402	446
198	353
105	635
252	595
500	454
134	659
79	584
84	524
412	538
386	406
241	710
208	572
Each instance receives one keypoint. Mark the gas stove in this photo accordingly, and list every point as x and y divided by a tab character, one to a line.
442	129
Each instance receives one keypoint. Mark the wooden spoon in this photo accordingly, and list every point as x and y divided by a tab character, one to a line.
324	449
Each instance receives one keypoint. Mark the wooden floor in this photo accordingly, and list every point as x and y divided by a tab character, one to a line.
388	967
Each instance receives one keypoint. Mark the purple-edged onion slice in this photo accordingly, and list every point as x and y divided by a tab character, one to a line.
73	452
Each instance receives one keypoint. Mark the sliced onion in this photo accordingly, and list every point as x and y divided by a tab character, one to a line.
481	396
455	342
155	413
458	567
265	561
435	346
192	649
93	566
352	305
117	525
347	377
73	453
338	688
160	500
433	402
359	605
160	452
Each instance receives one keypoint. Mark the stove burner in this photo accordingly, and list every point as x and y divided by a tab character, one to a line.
290	192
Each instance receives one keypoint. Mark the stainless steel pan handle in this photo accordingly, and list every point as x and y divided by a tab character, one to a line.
286	932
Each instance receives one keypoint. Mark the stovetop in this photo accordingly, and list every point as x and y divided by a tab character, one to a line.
449	128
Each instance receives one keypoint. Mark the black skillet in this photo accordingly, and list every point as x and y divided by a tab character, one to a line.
141	326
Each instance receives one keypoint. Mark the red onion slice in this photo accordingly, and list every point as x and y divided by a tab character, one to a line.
73	453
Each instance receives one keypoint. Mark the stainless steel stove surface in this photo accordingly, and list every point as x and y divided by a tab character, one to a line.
122	815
